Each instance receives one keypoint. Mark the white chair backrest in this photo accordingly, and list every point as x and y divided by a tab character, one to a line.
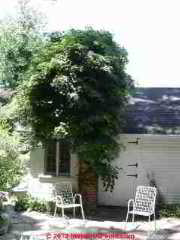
145	199
63	187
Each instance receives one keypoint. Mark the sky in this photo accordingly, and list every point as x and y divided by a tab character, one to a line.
148	29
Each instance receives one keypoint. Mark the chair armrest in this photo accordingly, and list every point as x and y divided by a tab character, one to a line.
77	195
59	199
129	203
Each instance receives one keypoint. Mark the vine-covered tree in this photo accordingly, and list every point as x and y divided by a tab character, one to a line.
78	90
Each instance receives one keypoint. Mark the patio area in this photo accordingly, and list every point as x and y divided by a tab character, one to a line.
105	220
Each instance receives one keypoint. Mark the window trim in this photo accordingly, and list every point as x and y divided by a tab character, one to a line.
57	173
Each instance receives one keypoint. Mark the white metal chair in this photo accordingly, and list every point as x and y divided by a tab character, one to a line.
64	198
144	203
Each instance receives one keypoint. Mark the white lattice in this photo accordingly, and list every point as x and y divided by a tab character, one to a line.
144	203
145	199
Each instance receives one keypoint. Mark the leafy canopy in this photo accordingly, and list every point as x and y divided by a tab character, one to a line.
78	90
20	39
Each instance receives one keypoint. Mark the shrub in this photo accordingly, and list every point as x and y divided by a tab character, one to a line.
170	210
27	202
3	220
22	203
11	166
38	205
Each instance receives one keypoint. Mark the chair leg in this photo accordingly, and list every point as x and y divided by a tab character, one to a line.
154	222
149	218
74	212
133	217
82	212
55	210
62	212
127	216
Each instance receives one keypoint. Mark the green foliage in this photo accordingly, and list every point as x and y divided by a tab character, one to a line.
3	220
39	206
22	204
26	202
170	210
78	90
19	41
11	167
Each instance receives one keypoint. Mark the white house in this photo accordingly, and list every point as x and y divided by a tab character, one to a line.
151	154
152	147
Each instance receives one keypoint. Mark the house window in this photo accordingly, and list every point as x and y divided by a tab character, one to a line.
57	158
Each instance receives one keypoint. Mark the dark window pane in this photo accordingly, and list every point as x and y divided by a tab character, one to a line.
51	158
64	160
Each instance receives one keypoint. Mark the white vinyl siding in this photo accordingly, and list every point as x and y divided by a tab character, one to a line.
158	158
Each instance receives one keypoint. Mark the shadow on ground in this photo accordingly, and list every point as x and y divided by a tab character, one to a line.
23	222
112	213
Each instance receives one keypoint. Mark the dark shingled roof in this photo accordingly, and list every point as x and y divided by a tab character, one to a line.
150	110
154	110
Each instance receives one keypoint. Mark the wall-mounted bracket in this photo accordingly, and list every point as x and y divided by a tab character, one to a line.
135	142
132	175
133	165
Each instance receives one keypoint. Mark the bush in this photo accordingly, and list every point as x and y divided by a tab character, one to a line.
38	205
3	220
22	204
170	210
27	202
11	166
